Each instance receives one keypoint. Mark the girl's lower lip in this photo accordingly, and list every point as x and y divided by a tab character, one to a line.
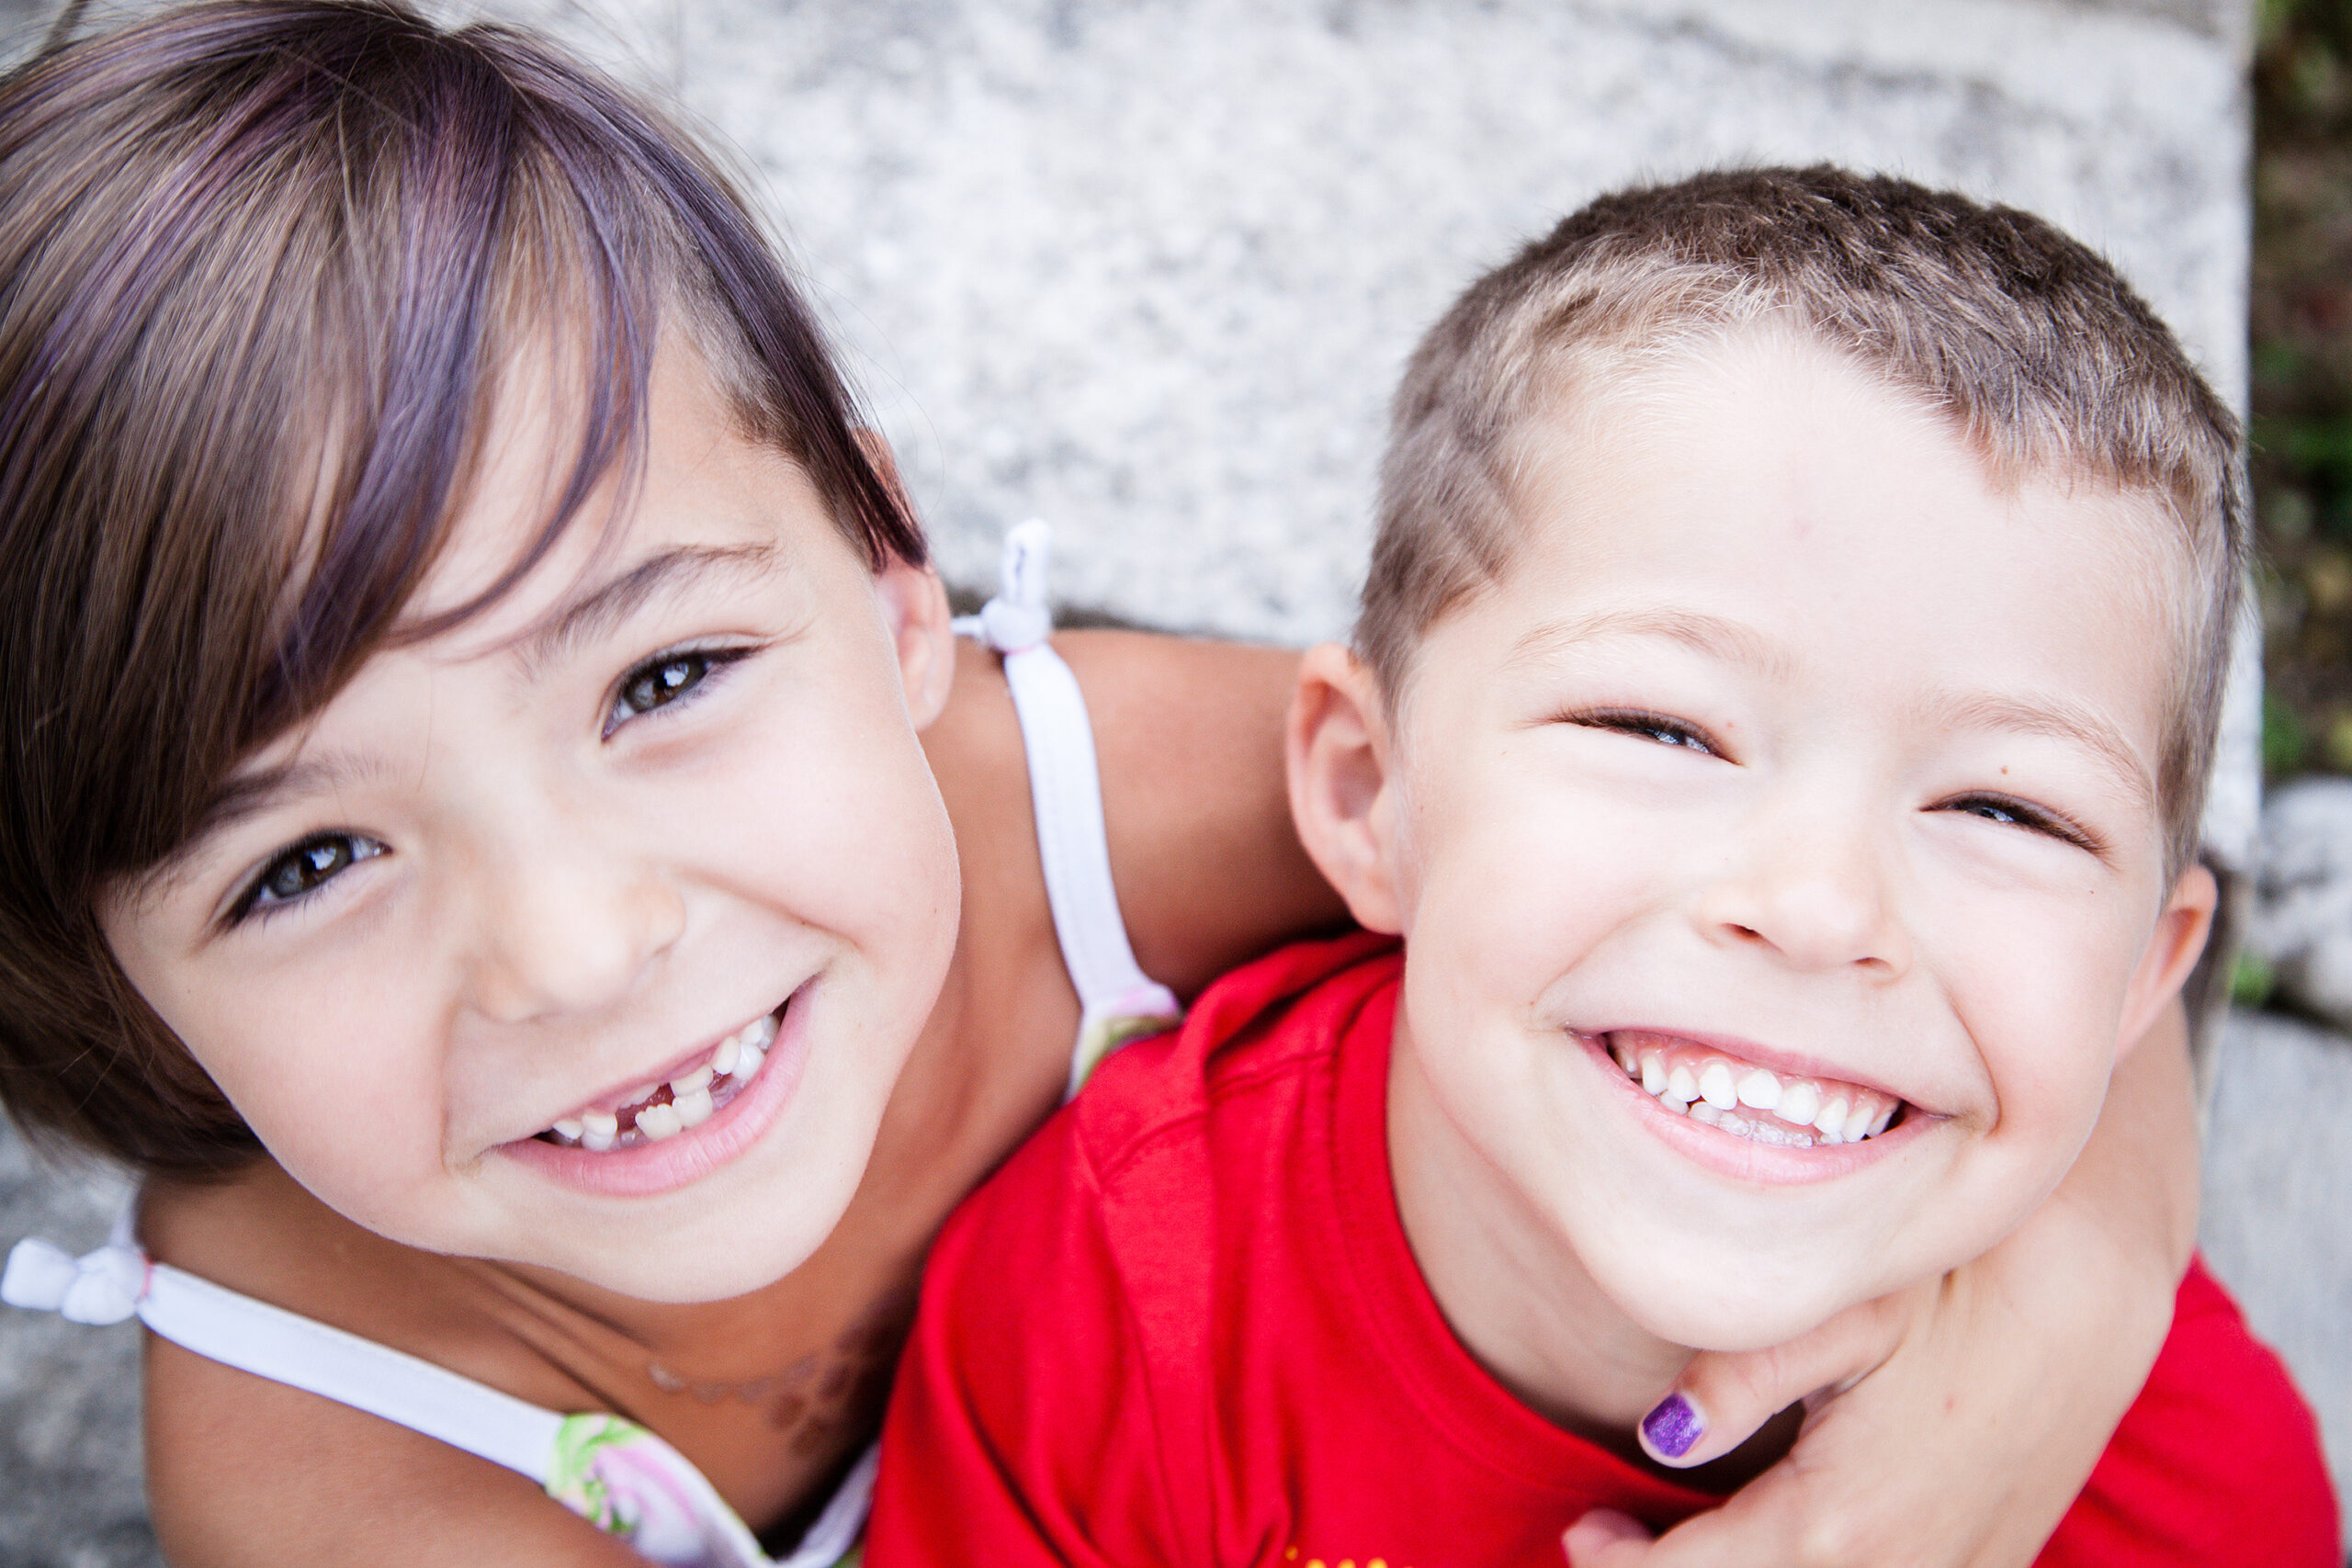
650	1169
1767	1164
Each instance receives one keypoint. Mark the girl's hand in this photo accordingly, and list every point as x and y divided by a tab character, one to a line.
1951	1425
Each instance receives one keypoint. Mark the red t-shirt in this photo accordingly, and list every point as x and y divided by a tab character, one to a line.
1182	1326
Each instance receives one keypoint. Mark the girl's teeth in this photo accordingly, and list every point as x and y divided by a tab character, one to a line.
1716	1087
1800	1104
1832	1120
1856	1124
1654	1073
1682	1084
1761	1090
693	1095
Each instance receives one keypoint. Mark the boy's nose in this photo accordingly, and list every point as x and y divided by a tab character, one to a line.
1815	893
568	931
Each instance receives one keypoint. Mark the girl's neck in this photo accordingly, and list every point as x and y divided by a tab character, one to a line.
1512	1291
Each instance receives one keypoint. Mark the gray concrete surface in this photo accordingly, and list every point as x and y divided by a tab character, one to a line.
1149	267
2277	1219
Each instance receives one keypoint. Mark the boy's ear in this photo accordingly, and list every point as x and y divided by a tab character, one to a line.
915	604
2172	951
1343	792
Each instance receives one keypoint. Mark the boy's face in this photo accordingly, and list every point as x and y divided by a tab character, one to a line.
1793	754
516	874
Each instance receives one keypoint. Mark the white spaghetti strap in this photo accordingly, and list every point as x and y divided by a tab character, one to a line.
1117	998
612	1472
117	1281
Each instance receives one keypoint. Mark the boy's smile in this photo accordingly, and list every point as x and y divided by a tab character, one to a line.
1789	761
591	932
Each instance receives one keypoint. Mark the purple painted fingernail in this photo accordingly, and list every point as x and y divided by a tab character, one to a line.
1673	1426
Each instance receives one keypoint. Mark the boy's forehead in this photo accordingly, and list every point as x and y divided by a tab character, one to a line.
1789	436
1769	497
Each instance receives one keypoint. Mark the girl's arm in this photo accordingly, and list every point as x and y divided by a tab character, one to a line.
243	1473
1189	734
1986	1397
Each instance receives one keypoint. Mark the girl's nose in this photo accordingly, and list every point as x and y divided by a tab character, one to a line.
1812	888
565	930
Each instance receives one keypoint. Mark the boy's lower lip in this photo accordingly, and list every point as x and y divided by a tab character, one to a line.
1740	1159
652	1168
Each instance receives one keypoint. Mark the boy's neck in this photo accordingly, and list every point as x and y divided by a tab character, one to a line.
1514	1294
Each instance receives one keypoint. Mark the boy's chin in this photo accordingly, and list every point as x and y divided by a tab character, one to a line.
1731	1304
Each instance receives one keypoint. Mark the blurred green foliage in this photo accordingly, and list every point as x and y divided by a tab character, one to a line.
2302	377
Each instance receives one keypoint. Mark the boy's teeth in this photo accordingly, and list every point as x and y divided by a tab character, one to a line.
603	1123
692	1082
692	1109
569	1128
659	1121
1750	1101
722	1061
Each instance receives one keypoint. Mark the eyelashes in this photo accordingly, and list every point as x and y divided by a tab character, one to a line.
667	681
2002	810
2009	811
1663	729
296	873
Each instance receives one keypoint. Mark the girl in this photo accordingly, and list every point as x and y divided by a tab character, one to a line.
495	827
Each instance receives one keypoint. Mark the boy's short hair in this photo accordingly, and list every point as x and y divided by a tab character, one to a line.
2036	349
267	264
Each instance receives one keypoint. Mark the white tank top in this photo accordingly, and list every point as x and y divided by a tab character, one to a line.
613	1473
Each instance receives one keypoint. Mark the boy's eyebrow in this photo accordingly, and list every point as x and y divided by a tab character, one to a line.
606	606
2028	716
1707	634
2054	716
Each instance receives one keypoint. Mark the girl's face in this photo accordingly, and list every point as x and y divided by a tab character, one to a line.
590	843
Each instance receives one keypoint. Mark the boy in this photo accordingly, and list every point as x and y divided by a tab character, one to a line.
1776	729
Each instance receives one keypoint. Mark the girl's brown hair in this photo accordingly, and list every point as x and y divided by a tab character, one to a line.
261	264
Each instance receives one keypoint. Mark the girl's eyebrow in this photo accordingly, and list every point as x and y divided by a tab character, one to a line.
600	609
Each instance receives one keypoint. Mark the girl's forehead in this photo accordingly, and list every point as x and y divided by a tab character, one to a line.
528	537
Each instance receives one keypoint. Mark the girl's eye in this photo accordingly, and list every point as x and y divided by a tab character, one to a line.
307	867
662	680
1655	727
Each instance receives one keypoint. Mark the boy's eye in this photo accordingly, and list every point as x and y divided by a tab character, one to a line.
1655	727
306	867
2017	814
662	680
